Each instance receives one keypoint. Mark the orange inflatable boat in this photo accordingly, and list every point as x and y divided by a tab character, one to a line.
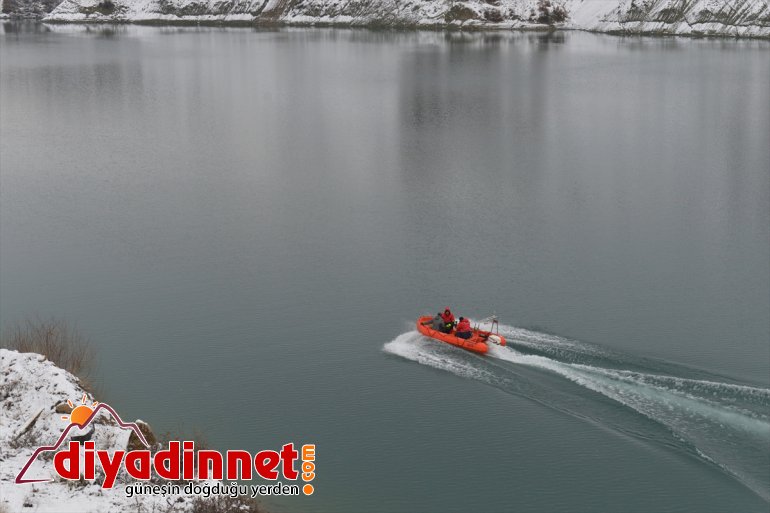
477	343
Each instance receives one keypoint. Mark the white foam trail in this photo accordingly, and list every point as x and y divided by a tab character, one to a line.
704	386
725	423
550	343
415	347
643	393
728	432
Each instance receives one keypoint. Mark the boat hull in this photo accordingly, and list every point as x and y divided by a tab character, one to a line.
477	343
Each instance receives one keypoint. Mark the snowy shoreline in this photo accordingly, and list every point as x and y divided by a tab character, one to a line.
699	18
406	27
34	394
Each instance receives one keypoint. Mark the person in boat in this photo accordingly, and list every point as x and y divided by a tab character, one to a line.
449	320
437	323
464	329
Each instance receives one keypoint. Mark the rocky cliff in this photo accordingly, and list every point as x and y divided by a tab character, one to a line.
741	18
28	8
34	396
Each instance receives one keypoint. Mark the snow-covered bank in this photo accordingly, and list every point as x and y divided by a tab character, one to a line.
33	400
27	8
739	18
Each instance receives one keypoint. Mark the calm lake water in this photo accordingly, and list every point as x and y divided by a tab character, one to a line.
246	223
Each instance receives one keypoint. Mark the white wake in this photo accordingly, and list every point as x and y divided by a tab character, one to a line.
725	423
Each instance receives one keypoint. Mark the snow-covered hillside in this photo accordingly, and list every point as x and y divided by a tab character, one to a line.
28	8
33	400
742	18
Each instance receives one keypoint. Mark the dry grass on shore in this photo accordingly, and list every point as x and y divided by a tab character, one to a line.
68	349
59	342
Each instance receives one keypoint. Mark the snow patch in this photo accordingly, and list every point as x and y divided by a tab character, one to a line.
30	389
740	18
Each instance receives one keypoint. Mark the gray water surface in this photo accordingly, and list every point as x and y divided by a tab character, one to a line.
246	223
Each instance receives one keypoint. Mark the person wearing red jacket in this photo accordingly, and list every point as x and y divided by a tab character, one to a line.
449	320
464	328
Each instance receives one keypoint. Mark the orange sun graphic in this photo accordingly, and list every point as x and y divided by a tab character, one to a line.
81	412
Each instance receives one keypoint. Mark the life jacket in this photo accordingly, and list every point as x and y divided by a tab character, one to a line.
449	318
464	326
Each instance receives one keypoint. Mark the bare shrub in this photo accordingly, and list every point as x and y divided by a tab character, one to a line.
197	437
145	506
183	432
493	15
106	7
459	12
549	13
226	504
65	346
